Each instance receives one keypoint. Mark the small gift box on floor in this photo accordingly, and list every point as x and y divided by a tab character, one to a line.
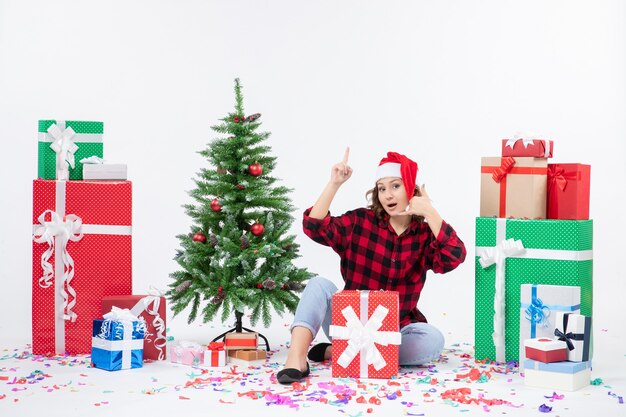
215	355
575	330
117	341
567	376
538	148
186	353
151	308
545	350
248	354
366	334
241	340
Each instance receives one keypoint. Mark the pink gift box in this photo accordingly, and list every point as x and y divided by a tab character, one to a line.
186	353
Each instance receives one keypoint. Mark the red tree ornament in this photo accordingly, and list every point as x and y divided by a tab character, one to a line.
215	205
259	285
255	169
257	229
199	237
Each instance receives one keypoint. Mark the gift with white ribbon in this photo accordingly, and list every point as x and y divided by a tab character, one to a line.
527	145
117	341
63	143
152	309
364	336
504	267
77	261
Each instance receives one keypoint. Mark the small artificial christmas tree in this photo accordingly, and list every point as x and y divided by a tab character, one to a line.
238	255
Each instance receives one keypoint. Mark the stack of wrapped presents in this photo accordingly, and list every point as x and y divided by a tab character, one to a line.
82	259
534	263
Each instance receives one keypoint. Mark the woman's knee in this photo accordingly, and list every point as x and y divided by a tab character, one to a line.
421	343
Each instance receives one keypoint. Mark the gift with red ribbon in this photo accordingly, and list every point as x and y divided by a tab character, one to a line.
513	187
365	334
568	191
519	146
82	246
215	355
150	308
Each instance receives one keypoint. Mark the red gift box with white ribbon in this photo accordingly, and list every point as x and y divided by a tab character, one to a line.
366	334
151	308
538	148
82	246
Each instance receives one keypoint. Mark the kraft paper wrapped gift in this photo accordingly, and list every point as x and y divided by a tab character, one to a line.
512	252
82	252
545	350
575	330
186	353
150	308
568	191
539	309
243	340
215	355
248	355
513	187
104	171
538	148
62	145
565	376
365	334
117	341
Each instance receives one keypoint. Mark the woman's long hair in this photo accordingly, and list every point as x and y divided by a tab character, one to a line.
374	203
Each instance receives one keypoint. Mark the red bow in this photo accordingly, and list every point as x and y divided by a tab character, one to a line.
506	164
216	346
557	176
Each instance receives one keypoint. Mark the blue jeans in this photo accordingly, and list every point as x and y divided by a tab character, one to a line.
421	342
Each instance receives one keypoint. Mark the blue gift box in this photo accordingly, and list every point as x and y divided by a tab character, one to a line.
117	344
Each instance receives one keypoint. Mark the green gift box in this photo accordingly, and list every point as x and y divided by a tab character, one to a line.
512	252
76	139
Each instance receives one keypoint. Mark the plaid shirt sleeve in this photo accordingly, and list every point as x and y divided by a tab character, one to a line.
447	250
329	231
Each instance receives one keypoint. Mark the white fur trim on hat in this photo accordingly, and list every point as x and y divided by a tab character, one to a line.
389	169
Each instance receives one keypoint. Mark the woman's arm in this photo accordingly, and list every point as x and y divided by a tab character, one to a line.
340	173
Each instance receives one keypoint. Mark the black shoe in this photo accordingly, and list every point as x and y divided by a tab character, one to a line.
318	352
291	375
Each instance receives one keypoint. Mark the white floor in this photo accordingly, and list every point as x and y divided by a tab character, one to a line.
31	386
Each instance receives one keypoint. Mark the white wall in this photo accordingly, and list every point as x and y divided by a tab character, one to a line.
442	81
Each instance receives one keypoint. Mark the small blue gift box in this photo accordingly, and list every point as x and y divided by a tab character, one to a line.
117	344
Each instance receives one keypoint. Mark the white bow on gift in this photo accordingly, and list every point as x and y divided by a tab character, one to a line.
58	231
362	338
64	147
498	255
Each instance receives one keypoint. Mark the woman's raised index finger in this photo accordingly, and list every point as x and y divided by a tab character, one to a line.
346	155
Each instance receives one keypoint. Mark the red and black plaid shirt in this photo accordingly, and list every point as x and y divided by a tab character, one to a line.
374	257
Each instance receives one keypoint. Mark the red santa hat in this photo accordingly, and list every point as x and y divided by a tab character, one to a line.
398	165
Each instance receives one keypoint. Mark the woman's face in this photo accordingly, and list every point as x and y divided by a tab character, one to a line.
392	195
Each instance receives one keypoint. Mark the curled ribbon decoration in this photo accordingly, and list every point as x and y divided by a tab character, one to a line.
151	304
362	338
537	312
64	147
57	232
497	256
506	165
216	346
